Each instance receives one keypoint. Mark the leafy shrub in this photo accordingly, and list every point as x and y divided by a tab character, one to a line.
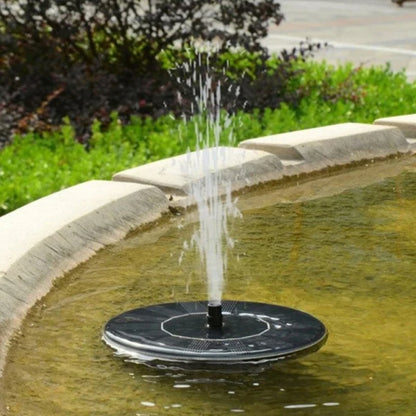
85	59
37	164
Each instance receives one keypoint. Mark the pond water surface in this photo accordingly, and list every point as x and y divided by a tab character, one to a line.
349	259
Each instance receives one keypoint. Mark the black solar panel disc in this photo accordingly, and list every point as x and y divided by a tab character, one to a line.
178	332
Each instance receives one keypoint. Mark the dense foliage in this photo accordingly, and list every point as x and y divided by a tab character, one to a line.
85	59
37	164
94	87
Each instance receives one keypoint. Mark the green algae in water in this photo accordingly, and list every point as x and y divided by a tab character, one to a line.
347	259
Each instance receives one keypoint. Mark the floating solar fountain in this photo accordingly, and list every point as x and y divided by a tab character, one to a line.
213	331
230	333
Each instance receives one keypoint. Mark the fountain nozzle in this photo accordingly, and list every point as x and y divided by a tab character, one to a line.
214	316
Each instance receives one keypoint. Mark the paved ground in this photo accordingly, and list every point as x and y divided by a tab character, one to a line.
368	32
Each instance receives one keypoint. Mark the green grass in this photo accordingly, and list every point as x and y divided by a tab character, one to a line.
38	164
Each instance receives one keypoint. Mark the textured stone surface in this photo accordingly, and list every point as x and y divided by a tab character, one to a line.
406	123
239	167
315	149
46	238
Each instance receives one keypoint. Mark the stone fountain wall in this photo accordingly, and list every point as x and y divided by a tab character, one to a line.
48	237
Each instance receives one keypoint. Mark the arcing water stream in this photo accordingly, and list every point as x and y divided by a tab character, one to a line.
213	193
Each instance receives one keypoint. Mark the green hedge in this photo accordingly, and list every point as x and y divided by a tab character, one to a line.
38	164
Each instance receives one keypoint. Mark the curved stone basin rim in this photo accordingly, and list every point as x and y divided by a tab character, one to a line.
48	237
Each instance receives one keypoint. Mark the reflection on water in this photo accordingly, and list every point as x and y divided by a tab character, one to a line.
348	259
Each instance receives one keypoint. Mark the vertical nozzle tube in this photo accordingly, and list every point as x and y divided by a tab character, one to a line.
214	316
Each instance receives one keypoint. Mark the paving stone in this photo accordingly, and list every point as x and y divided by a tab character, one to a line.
238	167
309	150
406	123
